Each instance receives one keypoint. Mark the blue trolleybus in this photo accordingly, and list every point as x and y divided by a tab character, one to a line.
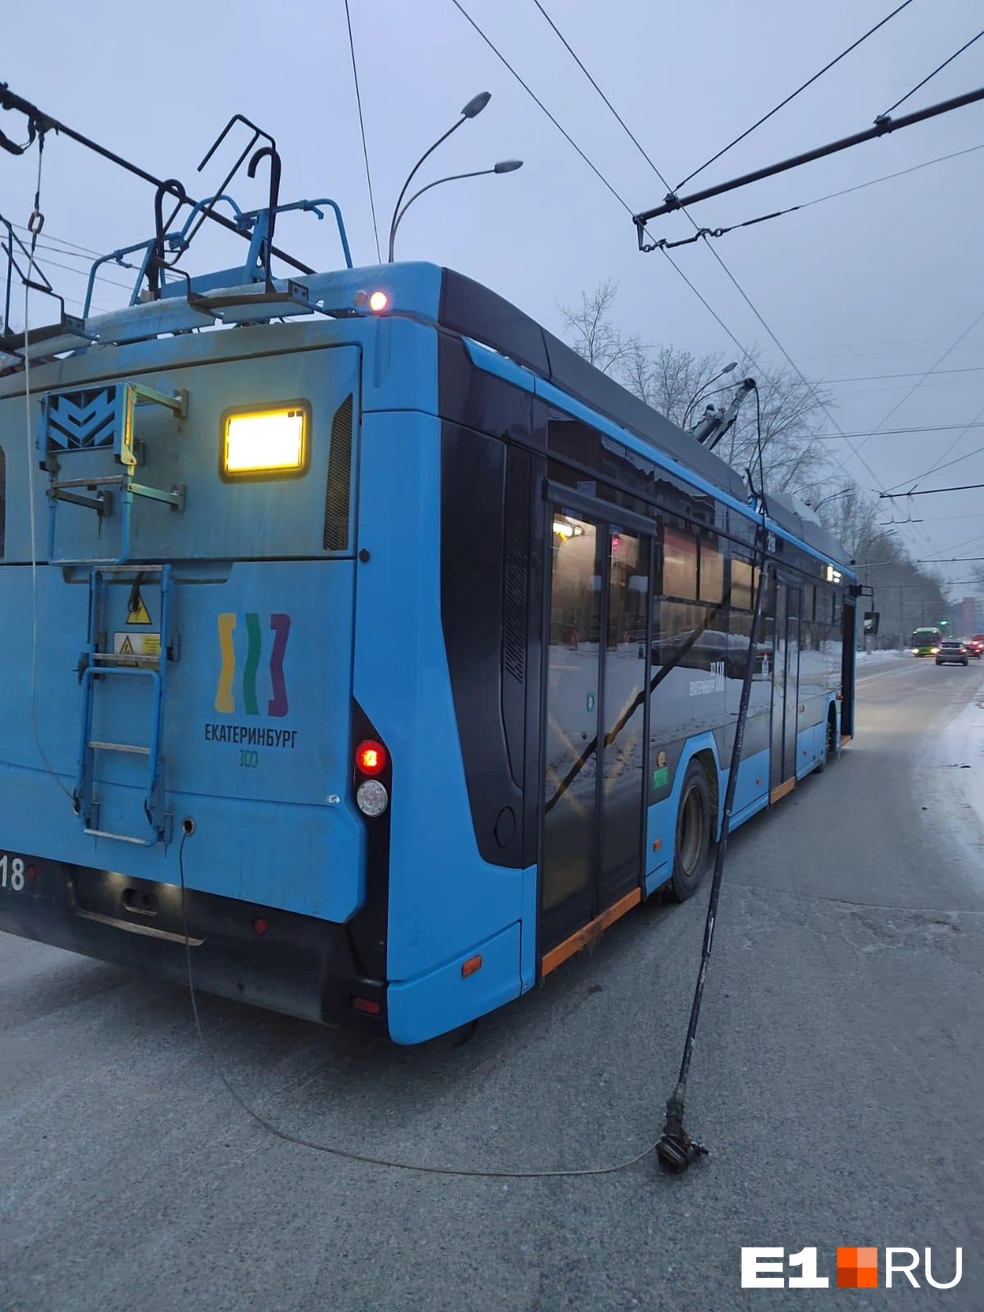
408	641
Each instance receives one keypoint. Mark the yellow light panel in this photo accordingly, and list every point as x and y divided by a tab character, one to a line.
267	441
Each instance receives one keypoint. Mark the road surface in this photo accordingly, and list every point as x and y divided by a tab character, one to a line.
838	1081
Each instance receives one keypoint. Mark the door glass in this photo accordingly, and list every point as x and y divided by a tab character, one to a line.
778	686
793	601
622	787
570	746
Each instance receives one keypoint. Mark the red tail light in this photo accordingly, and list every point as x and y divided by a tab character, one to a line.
370	757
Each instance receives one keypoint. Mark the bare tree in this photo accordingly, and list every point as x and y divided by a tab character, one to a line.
794	459
669	379
593	332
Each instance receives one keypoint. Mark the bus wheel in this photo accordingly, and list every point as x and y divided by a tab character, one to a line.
693	833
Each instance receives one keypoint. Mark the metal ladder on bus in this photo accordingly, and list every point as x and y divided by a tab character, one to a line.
96	666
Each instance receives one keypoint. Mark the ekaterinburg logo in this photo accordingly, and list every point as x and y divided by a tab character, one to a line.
857	1268
225	697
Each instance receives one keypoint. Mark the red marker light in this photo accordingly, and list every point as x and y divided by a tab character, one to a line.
260	926
31	873
368	1005
370	757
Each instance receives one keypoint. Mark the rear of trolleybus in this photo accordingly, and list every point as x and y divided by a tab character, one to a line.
188	705
241	679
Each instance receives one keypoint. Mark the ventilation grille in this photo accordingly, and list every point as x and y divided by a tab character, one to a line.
338	494
3	499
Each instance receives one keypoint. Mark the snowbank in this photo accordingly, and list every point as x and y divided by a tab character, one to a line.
961	748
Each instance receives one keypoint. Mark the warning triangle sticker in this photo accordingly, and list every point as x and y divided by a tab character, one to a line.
139	614
126	647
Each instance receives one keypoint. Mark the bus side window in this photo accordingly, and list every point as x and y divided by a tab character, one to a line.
679	565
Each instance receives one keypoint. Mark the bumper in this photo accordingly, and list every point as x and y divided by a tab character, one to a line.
298	965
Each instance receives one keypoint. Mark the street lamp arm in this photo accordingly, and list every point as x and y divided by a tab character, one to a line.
396	208
398	218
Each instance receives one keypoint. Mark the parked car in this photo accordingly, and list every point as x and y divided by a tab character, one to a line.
952	652
975	645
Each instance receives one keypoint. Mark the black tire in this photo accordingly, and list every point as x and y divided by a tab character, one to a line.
693	834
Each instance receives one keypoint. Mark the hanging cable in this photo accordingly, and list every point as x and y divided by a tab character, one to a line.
187	830
783	103
931	75
35	224
362	128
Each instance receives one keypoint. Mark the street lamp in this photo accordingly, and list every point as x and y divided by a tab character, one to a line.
471	110
833	496
728	368
503	166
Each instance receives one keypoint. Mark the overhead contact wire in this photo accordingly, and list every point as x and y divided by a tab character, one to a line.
783	103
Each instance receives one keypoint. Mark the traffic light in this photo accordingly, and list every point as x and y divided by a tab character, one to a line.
944	623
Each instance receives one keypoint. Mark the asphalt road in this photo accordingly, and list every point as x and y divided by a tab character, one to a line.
838	1079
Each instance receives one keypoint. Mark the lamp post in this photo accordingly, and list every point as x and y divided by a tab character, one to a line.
471	110
833	496
702	390
503	166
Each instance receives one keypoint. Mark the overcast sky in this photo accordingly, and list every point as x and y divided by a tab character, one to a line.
882	281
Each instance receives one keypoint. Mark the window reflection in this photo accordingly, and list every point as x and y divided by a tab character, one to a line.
570	757
679	564
624	709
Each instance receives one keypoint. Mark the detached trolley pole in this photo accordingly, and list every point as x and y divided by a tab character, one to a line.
676	1149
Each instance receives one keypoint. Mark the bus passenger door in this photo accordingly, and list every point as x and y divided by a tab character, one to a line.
785	689
594	730
570	761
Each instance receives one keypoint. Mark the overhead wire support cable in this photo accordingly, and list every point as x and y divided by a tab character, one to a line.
930	76
38	120
929	372
783	103
881	128
665	244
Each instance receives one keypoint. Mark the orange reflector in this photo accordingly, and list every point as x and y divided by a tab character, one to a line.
471	965
370	757
758	781
369	1005
657	845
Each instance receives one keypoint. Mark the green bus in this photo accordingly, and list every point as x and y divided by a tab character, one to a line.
926	642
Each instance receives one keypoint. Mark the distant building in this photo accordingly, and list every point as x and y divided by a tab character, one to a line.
966	617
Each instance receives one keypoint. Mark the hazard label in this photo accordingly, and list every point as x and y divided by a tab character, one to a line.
137	644
138	612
